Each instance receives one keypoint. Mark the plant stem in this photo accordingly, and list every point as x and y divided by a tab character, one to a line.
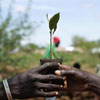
51	53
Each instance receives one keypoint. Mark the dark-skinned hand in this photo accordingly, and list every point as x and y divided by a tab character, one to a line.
32	83
75	79
79	80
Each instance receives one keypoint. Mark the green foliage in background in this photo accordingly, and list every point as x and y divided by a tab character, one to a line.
85	59
12	30
25	60
85	45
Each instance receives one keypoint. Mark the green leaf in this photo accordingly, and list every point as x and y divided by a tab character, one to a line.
55	28
53	22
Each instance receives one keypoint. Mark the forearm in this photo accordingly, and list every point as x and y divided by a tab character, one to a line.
94	83
2	92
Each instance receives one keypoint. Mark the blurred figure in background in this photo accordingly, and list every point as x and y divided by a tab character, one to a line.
97	70
56	42
77	65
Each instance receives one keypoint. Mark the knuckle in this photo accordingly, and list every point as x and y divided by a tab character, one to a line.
34	77
63	72
30	76
37	85
46	64
51	76
73	71
51	86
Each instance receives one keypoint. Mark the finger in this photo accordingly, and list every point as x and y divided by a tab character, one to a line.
48	86
64	66
50	77
48	94
64	78
48	66
64	72
46	78
65	84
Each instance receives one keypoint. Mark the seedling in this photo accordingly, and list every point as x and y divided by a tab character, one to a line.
52	26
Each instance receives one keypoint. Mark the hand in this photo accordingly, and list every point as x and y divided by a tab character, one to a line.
75	80
29	84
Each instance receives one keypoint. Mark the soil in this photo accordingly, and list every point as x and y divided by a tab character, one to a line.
43	61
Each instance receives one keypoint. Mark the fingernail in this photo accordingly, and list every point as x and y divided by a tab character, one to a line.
41	90
57	93
58	63
64	78
65	84
61	86
58	72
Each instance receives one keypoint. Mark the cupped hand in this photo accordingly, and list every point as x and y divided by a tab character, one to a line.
33	83
75	79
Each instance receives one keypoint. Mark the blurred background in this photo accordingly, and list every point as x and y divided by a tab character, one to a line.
24	34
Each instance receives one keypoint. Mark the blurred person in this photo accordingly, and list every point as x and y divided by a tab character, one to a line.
99	55
30	84
97	70
56	42
77	65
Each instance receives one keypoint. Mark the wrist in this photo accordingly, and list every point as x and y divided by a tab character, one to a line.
93	83
3	95
14	86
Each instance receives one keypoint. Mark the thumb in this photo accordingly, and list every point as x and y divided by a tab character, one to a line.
58	72
64	72
49	66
